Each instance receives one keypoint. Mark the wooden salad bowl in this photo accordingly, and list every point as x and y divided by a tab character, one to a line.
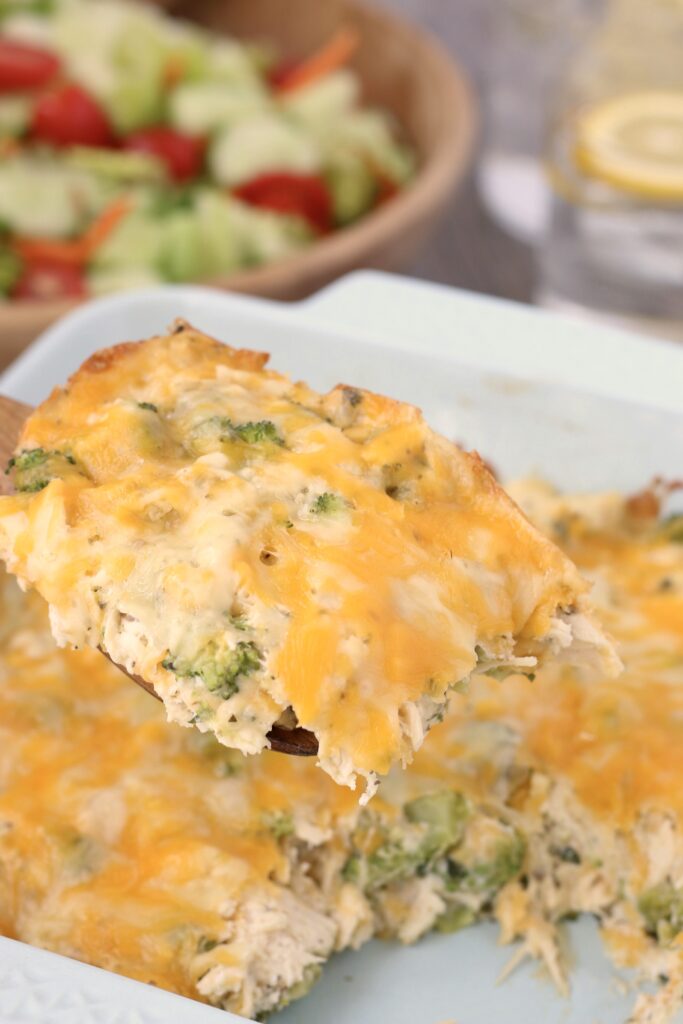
402	69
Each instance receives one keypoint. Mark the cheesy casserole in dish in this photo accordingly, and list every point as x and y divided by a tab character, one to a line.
262	553
160	853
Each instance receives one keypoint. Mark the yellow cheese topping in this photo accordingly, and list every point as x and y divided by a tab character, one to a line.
124	840
138	846
250	546
619	742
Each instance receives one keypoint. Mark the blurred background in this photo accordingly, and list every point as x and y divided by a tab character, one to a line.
270	147
534	222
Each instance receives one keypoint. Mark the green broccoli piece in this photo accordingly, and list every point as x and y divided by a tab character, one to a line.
454	919
567	854
34	468
205	944
257	433
353	869
406	851
218	666
149	406
488	876
673	528
445	814
280	824
391	861
221	430
301	988
328	503
239	622
662	908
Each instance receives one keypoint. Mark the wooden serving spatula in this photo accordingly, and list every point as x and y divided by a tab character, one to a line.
13	415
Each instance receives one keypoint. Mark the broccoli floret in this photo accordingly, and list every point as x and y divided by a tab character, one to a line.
567	854
391	861
353	869
673	528
488	876
398	856
303	987
218	666
239	622
34	469
455	918
280	824
205	944
445	814
327	503
662	908
222	429
257	433
406	851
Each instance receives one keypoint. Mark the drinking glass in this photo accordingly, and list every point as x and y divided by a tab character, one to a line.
531	43
613	246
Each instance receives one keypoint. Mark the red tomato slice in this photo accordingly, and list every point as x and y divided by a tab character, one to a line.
50	281
182	154
69	116
25	67
304	195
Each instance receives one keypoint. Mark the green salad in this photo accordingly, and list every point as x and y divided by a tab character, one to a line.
136	149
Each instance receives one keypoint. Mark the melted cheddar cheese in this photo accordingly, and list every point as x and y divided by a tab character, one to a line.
159	853
249	546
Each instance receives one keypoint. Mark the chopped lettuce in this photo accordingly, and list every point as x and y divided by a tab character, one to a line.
118	165
181	253
319	104
10	269
47	199
146	69
352	185
203	107
107	280
261	144
15	115
135	242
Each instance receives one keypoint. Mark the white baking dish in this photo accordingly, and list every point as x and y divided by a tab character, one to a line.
586	407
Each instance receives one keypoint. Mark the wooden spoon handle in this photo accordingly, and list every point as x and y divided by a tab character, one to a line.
13	415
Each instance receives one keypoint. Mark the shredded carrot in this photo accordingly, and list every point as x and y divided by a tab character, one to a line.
333	55
9	147
101	228
77	251
174	71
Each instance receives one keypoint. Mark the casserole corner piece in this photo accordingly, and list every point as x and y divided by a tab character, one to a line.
264	554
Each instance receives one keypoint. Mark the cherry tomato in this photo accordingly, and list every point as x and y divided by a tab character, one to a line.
50	281
69	116
305	195
25	67
182	154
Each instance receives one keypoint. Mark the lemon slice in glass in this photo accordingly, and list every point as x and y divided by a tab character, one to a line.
635	143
